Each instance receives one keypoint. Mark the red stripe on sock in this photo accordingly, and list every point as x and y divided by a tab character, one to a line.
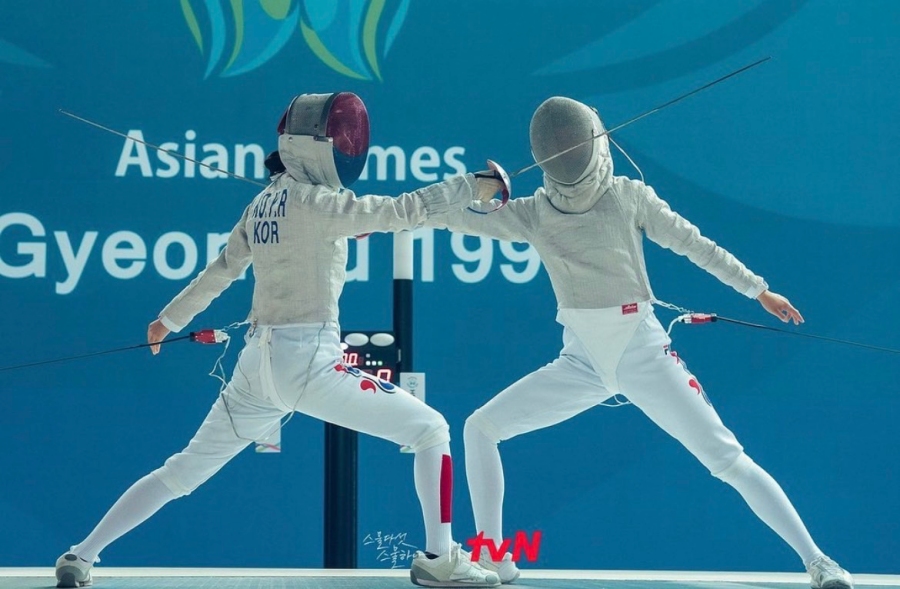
446	489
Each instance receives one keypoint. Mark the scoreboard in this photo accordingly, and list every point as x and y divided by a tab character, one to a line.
373	352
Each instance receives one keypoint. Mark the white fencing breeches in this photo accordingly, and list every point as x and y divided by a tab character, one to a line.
635	360
298	368
653	379
287	369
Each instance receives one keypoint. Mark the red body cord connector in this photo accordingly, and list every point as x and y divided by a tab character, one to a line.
209	336
700	318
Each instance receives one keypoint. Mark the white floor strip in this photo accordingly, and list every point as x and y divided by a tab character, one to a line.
711	576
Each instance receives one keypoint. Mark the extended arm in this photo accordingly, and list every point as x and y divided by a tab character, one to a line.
514	222
345	215
670	230
215	278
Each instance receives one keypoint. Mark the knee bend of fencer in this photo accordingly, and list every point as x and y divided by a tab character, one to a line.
437	435
168	478
478	423
740	465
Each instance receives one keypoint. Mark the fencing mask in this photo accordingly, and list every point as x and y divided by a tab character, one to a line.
578	177
324	138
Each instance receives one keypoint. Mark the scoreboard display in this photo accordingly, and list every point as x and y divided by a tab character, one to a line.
372	352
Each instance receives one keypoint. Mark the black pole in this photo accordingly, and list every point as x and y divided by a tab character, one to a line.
403	301
340	497
403	325
341	444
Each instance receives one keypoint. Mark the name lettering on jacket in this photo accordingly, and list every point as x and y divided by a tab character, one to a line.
267	209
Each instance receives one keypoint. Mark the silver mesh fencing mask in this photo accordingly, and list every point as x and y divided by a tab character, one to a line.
558	124
332	130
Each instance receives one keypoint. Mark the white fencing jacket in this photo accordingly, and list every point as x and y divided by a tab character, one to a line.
295	234
595	259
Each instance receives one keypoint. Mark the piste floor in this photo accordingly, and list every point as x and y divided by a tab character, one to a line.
150	578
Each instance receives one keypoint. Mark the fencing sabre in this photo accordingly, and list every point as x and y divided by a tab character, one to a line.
204	336
494	170
692	318
158	148
506	178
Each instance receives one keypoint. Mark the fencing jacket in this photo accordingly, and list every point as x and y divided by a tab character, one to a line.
295	234
595	259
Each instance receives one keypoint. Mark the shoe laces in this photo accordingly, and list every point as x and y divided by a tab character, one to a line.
488	558
461	558
826	566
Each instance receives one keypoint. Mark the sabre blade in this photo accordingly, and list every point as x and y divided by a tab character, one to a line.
642	115
92	354
158	148
811	336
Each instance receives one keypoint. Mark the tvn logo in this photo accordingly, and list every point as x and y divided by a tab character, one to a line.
519	544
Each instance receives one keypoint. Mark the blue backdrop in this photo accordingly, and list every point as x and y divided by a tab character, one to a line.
791	166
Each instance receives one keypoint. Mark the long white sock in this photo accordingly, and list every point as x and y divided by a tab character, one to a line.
769	502
434	485
139	502
484	472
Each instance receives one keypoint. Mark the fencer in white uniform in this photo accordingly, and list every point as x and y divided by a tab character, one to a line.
294	233
588	228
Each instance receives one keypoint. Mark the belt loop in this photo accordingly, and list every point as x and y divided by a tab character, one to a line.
266	377
265	336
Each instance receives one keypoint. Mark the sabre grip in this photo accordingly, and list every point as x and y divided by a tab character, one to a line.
209	336
701	318
494	172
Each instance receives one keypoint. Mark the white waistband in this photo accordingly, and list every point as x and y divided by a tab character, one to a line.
295	325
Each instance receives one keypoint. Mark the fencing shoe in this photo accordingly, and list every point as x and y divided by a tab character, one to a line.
505	568
827	574
72	571
454	569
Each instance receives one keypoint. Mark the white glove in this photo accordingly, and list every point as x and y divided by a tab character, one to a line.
488	183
